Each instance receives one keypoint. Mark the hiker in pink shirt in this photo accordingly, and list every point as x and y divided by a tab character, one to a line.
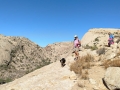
77	44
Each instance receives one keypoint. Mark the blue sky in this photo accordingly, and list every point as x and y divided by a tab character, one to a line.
49	21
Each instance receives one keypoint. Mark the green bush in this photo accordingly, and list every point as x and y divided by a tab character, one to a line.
3	81
94	47
96	39
91	47
3	67
87	47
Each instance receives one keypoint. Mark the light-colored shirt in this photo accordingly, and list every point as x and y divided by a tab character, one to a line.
76	42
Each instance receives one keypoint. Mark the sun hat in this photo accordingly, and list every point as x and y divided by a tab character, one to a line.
75	36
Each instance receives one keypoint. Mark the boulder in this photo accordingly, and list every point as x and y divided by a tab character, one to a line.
112	78
109	54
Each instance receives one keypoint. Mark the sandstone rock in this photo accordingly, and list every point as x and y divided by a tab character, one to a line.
73	76
81	83
95	88
50	77
109	54
112	78
92	81
114	46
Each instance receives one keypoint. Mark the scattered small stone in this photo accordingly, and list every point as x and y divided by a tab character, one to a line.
92	81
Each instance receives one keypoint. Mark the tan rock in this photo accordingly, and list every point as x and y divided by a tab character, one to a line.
73	76
92	81
112	77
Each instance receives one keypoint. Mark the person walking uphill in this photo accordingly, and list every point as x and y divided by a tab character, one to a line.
76	44
111	39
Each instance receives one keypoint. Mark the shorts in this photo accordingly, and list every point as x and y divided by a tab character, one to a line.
76	49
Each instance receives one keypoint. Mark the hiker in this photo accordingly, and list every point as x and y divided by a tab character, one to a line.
76	44
111	39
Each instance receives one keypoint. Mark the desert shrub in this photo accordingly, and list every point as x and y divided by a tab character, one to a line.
109	63
87	58
85	74
3	67
76	67
118	40
3	81
94	47
116	32
87	47
100	51
82	64
96	39
118	53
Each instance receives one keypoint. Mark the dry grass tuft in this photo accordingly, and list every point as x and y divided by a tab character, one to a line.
109	63
76	67
118	54
80	66
85	74
118	40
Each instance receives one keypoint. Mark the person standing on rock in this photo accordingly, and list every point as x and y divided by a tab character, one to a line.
76	45
111	39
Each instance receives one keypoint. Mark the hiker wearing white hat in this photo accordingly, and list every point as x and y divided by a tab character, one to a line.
75	36
77	44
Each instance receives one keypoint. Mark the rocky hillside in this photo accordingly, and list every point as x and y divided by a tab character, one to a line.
99	36
50	77
20	56
97	68
56	51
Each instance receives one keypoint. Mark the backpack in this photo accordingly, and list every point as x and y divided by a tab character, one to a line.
111	36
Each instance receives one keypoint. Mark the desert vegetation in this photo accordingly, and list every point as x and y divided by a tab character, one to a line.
94	47
118	40
2	81
109	63
100	51
81	65
96	39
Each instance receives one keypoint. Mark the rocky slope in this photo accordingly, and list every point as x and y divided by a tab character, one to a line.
56	51
55	77
99	36
51	77
20	56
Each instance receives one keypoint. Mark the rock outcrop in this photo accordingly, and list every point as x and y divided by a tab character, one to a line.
98	36
112	77
50	77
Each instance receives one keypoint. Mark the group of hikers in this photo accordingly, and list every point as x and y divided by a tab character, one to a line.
77	44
